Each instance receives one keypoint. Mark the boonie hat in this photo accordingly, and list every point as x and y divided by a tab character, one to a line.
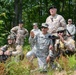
61	29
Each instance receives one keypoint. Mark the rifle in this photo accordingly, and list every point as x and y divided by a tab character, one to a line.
68	32
3	57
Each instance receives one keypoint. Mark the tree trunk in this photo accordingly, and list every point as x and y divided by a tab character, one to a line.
20	10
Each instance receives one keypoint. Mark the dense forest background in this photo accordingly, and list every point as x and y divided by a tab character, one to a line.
11	11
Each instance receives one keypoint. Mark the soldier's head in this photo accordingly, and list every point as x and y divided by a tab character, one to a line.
69	21
53	10
35	25
44	28
11	39
21	23
61	31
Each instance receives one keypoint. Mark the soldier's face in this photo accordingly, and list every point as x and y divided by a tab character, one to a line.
61	33
35	27
10	41
21	25
44	30
53	11
69	21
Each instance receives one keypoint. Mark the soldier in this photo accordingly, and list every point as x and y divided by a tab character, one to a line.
54	20
10	49
36	31
20	32
70	28
66	44
63	46
31	54
42	43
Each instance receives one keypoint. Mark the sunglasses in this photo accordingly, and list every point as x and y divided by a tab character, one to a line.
60	31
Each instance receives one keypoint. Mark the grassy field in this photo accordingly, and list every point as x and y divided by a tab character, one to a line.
24	67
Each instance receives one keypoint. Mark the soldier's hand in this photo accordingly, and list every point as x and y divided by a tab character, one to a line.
1	52
7	53
50	47
48	59
61	38
32	34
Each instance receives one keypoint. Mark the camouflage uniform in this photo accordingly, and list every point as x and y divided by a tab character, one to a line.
14	50
42	43
20	34
58	21
68	45
71	28
33	51
36	31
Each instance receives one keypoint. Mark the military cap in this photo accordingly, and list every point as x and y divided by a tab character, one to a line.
69	20
35	24
21	22
51	7
61	29
10	37
44	25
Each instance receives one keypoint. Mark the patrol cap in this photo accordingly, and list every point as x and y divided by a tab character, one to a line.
10	37
61	29
45	25
52	6
69	20
21	22
35	24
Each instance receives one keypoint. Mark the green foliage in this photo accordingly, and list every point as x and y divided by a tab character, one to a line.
72	62
32	11
16	68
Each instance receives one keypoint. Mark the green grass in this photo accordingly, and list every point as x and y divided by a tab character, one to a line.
24	67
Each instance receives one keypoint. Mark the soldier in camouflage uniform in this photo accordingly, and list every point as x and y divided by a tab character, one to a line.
54	20
66	44
31	54
63	46
11	49
42	43
20	32
36	31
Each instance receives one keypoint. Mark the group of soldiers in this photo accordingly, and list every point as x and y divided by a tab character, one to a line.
51	41
15	43
46	43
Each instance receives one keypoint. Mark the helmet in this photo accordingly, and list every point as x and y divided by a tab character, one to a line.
10	37
61	29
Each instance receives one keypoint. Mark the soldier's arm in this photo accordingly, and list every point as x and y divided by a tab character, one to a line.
70	45
18	50
32	38
73	31
4	48
14	30
62	22
1	52
26	33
